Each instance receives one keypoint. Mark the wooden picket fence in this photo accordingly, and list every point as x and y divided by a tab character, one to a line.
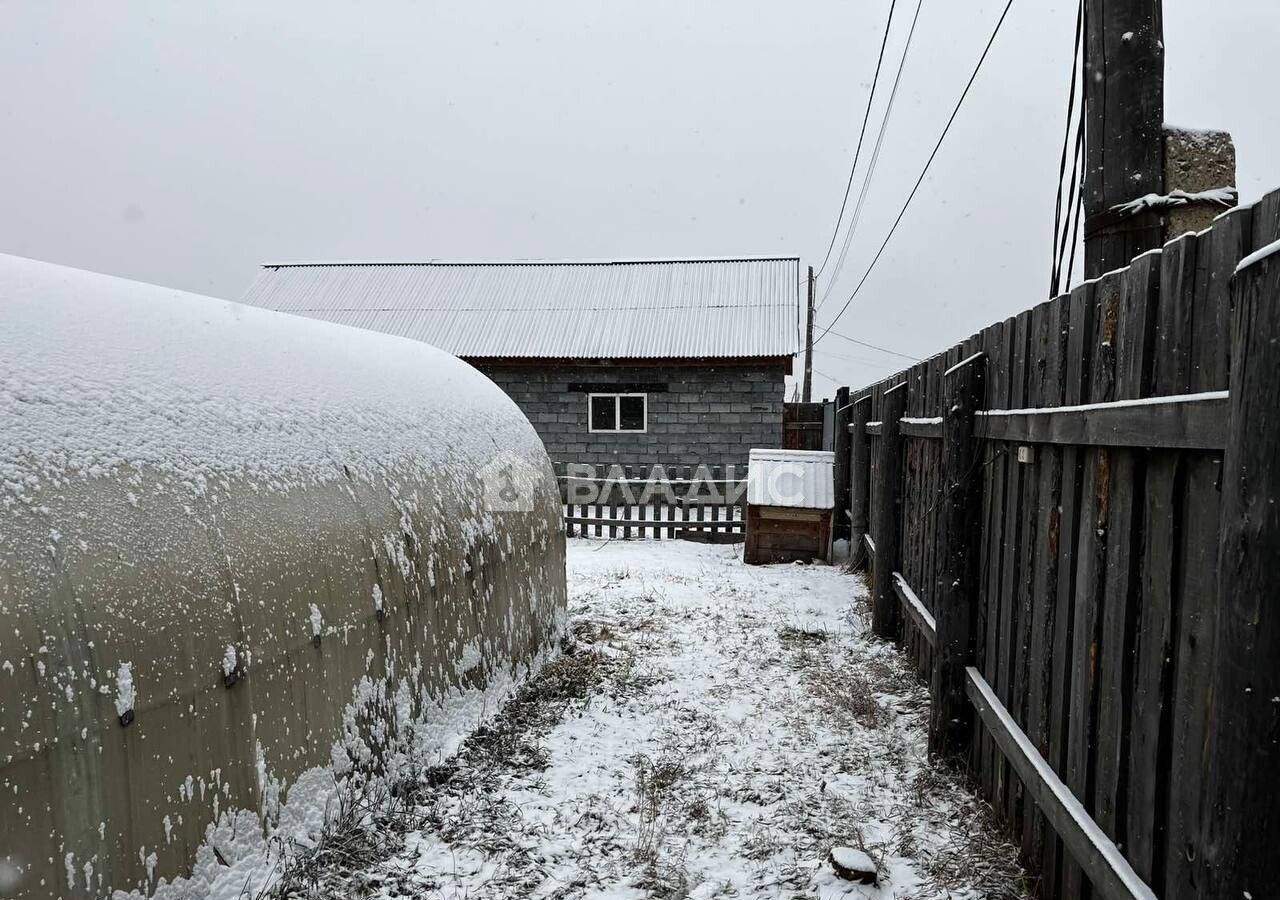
703	503
1044	508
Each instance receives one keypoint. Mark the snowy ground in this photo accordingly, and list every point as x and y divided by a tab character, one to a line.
715	731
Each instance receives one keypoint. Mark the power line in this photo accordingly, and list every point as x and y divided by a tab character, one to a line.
923	173
880	365
856	360
1079	198
1077	191
875	80
1055	274
875	158
874	346
862	361
1076	197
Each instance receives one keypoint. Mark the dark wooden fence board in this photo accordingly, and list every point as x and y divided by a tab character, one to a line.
887	511
1193	619
1029	503
1147	801
951	717
1080	314
859	476
993	545
1091	564
912	499
1139	286
933	456
841	521
1045	567
1265	218
1011	562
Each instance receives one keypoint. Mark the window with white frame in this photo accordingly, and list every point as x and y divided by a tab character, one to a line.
618	412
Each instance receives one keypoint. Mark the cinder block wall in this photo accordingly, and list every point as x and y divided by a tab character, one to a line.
708	414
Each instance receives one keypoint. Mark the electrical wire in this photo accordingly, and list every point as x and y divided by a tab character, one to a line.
1075	222
1076	198
875	159
862	133
856	360
1055	275
876	347
1081	160
947	128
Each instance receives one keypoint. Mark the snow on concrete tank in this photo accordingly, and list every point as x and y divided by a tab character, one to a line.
240	553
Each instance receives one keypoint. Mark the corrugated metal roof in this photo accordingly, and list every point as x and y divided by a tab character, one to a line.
592	310
797	478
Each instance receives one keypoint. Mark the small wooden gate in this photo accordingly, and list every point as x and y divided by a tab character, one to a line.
802	426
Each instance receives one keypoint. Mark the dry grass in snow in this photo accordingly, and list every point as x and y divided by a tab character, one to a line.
712	731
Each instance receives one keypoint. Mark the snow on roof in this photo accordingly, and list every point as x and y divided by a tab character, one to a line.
620	309
802	479
101	374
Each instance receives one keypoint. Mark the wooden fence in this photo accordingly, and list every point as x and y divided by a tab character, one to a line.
691	502
1045	507
802	426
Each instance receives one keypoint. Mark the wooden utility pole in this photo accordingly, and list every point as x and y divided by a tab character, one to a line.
1124	144
808	344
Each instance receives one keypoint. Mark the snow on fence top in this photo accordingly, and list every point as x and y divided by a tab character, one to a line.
796	478
242	554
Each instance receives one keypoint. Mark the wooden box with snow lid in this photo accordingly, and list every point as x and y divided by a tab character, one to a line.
790	498
241	553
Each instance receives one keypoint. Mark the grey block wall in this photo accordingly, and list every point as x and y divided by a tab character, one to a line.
709	414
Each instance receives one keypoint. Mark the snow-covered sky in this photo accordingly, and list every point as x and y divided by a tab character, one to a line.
186	143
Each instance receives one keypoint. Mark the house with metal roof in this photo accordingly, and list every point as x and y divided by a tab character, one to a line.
679	361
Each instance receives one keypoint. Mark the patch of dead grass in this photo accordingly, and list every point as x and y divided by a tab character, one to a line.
793	637
846	692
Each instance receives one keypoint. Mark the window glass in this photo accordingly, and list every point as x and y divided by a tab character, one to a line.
604	413
631	413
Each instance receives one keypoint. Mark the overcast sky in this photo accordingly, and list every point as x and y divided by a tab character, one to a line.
184	143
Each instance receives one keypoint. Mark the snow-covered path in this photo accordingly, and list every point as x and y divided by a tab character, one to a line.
733	724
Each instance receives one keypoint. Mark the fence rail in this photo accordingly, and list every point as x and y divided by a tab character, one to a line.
1044	508
1108	870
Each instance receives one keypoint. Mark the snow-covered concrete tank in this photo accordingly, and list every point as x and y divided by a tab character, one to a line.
240	553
